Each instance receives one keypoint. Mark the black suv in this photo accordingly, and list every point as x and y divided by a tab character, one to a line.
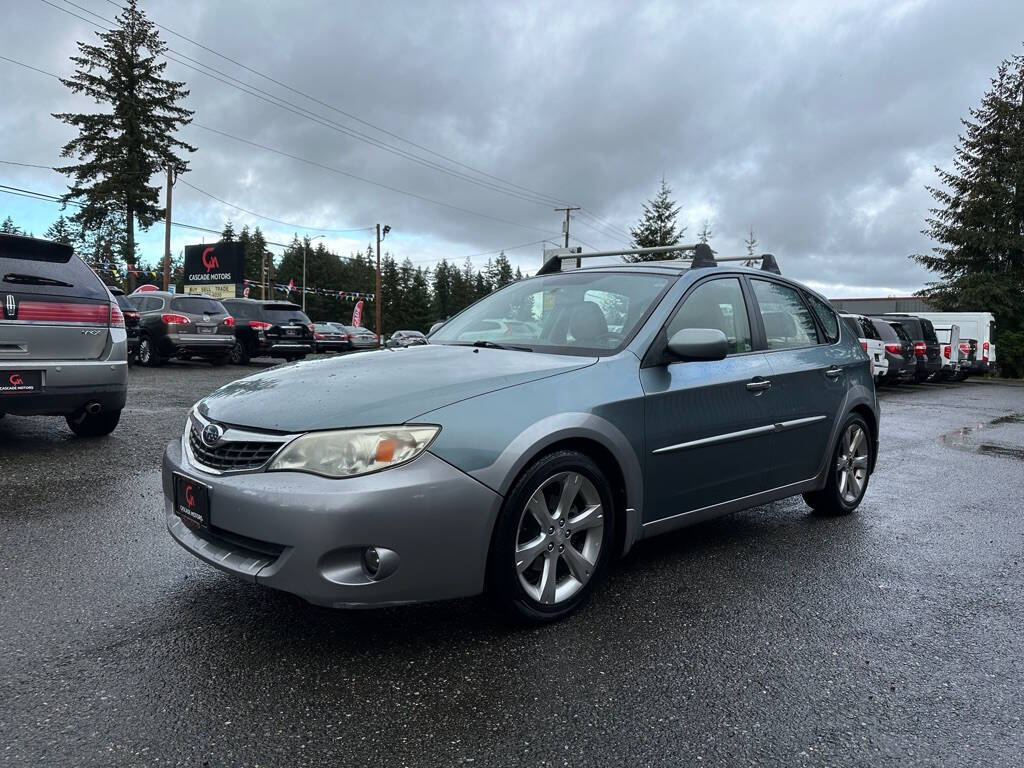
926	343
183	326
131	321
269	329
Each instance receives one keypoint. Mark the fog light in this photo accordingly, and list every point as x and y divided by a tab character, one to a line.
371	561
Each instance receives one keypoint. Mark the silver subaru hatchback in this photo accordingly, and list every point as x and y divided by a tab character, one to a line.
623	401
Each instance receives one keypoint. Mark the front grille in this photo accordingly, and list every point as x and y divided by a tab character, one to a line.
231	456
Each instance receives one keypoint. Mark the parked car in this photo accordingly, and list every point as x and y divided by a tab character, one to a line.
525	467
63	344
360	337
407	339
495	329
131	321
870	342
183	326
927	353
980	326
330	337
899	352
270	329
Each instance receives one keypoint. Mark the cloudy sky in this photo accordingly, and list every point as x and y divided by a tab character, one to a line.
817	124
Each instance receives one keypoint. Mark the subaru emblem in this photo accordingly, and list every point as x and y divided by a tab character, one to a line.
211	435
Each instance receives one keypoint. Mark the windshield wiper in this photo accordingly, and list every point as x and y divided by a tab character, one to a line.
495	345
16	277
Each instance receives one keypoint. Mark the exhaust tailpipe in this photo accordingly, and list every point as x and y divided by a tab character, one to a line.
93	408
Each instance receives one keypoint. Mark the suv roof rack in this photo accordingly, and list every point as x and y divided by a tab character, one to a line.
702	256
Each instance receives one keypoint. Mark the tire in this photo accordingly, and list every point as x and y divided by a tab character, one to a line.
528	591
841	496
148	356
93	425
239	354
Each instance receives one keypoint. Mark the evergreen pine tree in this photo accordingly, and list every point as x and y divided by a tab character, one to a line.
7	227
61	231
657	226
704	236
502	271
978	220
119	150
228	235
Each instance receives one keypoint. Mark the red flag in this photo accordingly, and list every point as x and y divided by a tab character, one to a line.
291	285
357	314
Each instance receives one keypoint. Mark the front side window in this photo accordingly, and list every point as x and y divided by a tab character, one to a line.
826	316
578	312
716	304
787	321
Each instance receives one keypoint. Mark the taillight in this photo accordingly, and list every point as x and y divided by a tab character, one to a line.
920	349
864	346
945	351
258	325
63	312
318	335
894	349
310	326
229	321
344	337
174	319
984	351
965	349
116	319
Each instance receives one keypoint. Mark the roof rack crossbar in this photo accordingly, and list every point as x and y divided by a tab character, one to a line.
702	256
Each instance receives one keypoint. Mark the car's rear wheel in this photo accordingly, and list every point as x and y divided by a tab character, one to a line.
148	355
239	354
849	471
554	538
86	424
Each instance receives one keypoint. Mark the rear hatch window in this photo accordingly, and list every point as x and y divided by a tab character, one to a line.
26	268
284	314
198	305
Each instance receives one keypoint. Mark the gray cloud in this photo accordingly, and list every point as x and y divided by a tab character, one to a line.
816	125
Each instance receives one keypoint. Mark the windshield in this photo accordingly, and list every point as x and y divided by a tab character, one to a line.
579	312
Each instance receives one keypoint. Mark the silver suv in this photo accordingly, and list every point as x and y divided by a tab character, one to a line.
183	326
63	345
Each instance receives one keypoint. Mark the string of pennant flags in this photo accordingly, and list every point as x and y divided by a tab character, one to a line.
342	295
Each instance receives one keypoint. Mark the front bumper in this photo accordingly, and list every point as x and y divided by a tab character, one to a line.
305	534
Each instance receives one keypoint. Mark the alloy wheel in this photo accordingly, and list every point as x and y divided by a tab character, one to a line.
852	464
145	352
559	538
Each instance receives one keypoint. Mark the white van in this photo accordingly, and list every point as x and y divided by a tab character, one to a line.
979	326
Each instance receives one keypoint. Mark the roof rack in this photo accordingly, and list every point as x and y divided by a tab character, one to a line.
702	256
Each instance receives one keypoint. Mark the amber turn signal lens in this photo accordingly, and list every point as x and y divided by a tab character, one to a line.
386	450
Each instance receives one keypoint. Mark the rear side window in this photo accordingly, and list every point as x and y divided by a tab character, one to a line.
716	304
149	303
124	302
929	331
885	331
901	332
26	272
787	321
853	326
870	332
826	316
197	305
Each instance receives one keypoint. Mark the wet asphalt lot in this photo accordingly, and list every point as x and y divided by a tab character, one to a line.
772	637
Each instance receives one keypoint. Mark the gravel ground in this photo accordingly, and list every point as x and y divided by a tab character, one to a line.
771	637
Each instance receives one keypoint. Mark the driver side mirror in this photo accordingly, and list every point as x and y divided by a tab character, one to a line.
698	344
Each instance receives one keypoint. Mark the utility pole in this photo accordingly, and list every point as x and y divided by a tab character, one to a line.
377	299
305	248
565	227
167	230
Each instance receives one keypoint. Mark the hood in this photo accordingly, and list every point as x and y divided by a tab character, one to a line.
375	388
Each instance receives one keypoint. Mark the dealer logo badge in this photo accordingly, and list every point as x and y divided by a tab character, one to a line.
10	307
211	435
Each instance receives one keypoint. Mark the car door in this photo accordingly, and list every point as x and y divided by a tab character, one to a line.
808	377
707	428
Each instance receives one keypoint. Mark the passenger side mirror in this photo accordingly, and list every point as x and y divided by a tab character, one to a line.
698	344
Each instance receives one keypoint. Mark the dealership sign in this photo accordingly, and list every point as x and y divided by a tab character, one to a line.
217	269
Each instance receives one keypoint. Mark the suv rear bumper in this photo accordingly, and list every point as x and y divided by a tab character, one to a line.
70	386
213	345
286	349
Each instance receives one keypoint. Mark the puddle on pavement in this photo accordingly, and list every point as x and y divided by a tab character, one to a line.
958	438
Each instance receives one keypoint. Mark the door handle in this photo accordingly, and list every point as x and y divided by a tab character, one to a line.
758	386
834	372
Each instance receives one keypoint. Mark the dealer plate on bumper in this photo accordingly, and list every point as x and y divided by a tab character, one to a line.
191	501
20	382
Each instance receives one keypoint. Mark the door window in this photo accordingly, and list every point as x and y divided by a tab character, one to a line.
787	321
716	304
827	318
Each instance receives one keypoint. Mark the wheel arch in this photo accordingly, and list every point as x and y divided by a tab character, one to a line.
866	413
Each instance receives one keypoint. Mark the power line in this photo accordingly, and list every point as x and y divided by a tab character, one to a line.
550	198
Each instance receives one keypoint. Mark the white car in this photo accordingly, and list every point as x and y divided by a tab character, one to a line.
870	342
979	326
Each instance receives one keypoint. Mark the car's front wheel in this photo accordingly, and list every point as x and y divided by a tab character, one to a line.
849	471
86	424
554	538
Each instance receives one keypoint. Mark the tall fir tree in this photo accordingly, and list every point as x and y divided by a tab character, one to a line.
751	243
705	234
228	235
657	225
502	271
62	231
120	149
978	219
8	227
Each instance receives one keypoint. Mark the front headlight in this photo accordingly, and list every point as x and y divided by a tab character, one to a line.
350	452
